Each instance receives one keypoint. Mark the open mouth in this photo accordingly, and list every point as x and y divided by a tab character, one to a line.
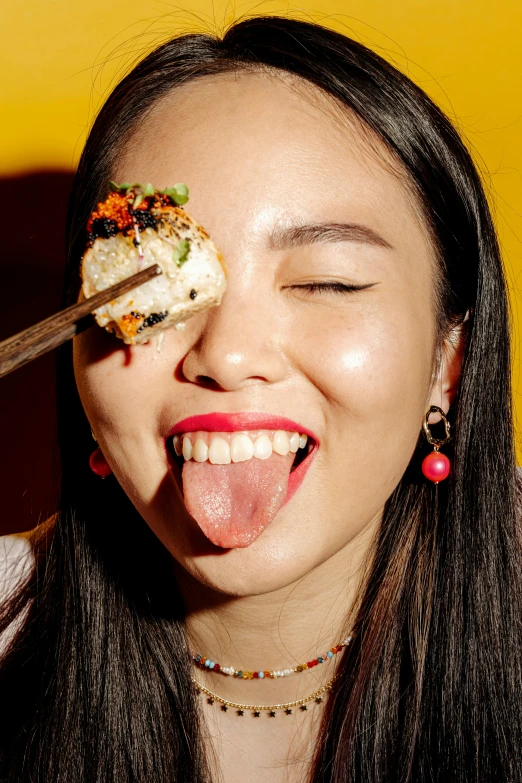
234	483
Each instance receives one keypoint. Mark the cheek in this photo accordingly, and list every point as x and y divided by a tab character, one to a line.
122	392
371	371
369	356
372	368
117	383
122	404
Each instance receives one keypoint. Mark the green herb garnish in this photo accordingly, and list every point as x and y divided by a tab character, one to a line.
177	193
180	254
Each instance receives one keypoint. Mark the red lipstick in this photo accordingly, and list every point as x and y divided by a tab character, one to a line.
230	422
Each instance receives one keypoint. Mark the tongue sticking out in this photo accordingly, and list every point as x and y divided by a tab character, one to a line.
234	503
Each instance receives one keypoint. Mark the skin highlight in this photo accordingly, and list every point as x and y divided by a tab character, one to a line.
358	368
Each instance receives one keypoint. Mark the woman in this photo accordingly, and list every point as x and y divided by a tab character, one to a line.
365	287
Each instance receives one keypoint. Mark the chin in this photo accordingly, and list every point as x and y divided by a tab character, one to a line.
237	576
280	557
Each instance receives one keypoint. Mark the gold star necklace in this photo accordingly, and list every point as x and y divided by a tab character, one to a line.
271	709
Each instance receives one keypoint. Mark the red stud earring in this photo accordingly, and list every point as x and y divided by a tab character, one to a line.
97	462
436	466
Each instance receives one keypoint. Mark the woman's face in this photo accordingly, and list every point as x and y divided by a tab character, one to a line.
262	158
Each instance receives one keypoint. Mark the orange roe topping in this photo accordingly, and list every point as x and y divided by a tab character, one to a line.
116	207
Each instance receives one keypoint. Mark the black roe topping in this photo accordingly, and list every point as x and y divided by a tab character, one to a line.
154	318
143	218
193	293
103	227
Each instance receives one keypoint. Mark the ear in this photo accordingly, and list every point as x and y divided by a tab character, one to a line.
447	374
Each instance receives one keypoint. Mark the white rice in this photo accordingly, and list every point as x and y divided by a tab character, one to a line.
202	274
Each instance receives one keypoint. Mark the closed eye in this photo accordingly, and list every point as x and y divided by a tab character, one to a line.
334	287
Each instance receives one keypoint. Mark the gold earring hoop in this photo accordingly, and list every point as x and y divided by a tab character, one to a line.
436	442
436	466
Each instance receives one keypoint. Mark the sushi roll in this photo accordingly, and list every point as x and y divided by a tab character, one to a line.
137	227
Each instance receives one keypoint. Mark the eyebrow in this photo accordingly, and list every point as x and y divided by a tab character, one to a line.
296	236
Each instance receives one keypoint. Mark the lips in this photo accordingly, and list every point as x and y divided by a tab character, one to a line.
237	422
230	422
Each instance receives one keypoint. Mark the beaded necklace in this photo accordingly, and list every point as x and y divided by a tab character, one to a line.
207	663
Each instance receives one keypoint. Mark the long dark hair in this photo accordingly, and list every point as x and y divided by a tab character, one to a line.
96	685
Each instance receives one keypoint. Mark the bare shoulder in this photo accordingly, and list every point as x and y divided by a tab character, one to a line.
16	559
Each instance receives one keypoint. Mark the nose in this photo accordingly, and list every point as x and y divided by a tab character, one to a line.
239	345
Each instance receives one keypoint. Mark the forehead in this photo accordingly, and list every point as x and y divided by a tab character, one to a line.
272	143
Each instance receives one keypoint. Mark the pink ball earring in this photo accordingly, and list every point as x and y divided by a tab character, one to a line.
436	466
97	462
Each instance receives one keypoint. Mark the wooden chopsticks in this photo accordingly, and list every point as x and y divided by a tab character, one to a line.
27	345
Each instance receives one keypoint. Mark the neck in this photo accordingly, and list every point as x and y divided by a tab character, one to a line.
277	630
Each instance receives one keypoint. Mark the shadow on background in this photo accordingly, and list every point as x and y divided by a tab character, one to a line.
32	258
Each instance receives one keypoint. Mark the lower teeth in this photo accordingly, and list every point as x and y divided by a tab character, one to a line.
300	456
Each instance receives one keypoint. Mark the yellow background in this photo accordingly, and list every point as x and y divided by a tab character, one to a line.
59	58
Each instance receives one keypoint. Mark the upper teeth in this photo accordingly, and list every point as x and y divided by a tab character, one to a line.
225	447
